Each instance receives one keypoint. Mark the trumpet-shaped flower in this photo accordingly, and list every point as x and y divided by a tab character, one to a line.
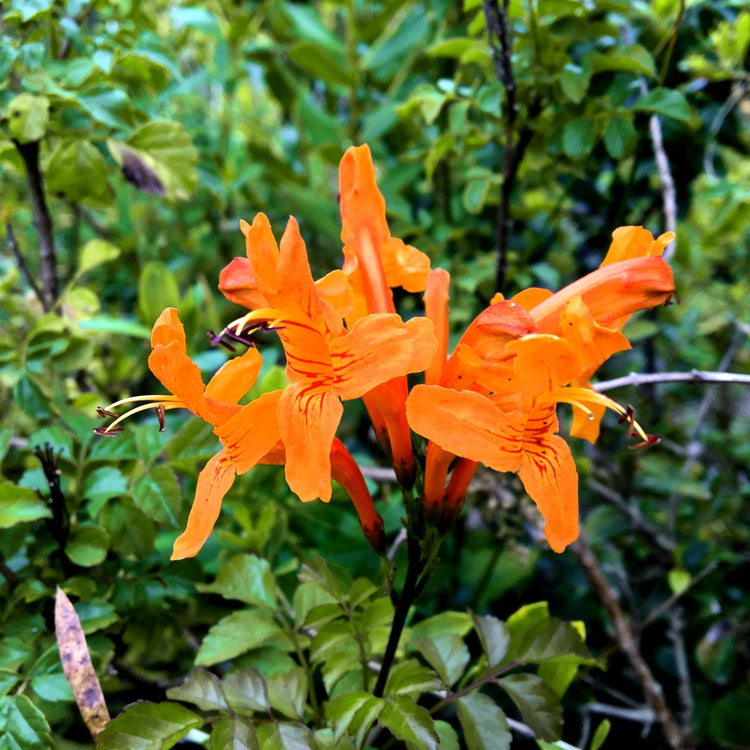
494	400
326	364
216	403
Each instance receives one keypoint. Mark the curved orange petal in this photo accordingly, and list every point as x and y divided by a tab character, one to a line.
436	309
213	483
179	374
238	284
436	464
531	297
167	328
263	253
335	289
308	419
377	349
549	475
611	293
635	242
586	424
235	377
544	363
252	433
467	424
404	265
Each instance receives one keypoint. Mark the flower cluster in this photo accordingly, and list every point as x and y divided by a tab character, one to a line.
492	401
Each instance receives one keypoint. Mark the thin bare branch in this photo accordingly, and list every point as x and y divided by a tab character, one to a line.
16	250
694	376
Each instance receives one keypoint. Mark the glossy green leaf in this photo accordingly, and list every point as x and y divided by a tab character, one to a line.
411	678
94	253
316	572
148	726
574	81
286	736
28	117
667	102
631	59
236	634
22	725
549	639
341	710
78	171
202	689
409	722
579	137
446	653
600	734
318	63
247	578
158	495
131	531
447	736
246	690
538	703
234	733
618	134
287	692
485	725
494	637
157	289
87	545
20	505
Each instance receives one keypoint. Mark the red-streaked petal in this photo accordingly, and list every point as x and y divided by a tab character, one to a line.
436	309
235	377
238	284
544	363
549	475
378	349
467	424
252	433
213	483
308	418
635	242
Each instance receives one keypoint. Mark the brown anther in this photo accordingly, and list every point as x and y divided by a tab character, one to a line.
651	440
103	413
160	417
629	417
674	299
107	431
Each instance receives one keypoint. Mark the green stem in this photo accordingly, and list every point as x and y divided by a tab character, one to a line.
489	677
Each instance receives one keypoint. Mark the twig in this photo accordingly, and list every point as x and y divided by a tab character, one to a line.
685	688
652	690
498	26
694	376
42	221
379	473
13	247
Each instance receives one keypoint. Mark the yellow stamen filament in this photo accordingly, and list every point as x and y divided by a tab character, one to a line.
579	396
267	315
166	402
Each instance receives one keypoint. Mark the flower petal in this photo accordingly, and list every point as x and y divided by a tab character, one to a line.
377	349
544	363
436	298
235	377
467	424
179	374
635	242
213	483
549	475
263	253
308	419
238	284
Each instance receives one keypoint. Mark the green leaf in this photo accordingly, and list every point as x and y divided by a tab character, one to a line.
377	614
286	736
678	579
341	710
120	326
446	653
78	170
52	687
28	117
29	9
601	733
247	578
574	81
631	59
475	195
411	678
234	733
94	253
246	690
454	47
20	505
148	726
494	637
361	590
131	531
667	102
332	635
618	133
164	148
112	108
579	137
87	545
549	639
388	53
158	495
235	634
318	63
484	724
157	289
458	623
201	688
447	736
102	484
316	572
409	722
22	725
287	692
538	703
13	653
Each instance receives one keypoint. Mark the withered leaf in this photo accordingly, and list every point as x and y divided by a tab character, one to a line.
77	665
140	174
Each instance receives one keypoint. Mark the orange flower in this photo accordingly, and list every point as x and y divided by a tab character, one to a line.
496	396
326	364
217	404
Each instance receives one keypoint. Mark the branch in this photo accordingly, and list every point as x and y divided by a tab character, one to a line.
13	247
738	94
652	690
42	221
694	376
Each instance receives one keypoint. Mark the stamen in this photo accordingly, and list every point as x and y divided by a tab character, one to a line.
107	431
650	440
219	340
160	416
103	413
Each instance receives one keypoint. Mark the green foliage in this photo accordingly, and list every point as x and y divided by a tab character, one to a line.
157	128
